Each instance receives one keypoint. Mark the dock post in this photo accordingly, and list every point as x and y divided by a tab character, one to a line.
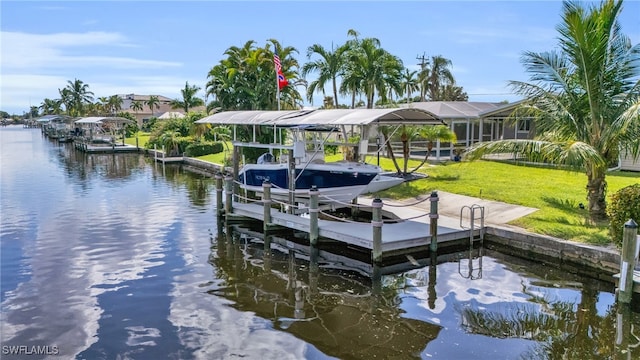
376	223
228	188
433	220
628	260
219	206
266	202
313	215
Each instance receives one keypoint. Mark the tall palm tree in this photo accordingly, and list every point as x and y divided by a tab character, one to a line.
409	83
370	68
433	76
585	98
103	105
66	100
136	105
50	106
115	104
189	99
79	95
153	102
329	66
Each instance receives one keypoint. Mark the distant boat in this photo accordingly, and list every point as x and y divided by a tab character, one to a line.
340	181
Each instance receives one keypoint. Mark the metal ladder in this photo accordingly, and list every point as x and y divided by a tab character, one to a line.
472	272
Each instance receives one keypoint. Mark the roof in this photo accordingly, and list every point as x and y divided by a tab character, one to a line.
171	114
47	118
462	109
325	117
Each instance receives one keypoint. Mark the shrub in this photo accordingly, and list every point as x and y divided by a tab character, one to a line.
624	205
204	148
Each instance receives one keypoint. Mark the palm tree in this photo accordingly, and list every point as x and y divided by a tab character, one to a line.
50	106
370	68
433	134
136	105
585	98
433	76
189	100
329	66
409	83
79	95
103	105
115	104
152	103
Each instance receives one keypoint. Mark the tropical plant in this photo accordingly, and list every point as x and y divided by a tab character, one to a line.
329	66
50	106
189	98
75	96
153	103
585	97
114	104
433	76
136	105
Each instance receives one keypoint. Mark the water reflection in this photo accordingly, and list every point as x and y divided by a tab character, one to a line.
466	299
121	257
336	310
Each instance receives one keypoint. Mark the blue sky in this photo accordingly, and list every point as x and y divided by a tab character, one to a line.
154	47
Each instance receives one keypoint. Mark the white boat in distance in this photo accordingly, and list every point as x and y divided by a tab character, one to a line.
337	182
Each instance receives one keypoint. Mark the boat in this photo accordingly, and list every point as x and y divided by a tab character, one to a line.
337	182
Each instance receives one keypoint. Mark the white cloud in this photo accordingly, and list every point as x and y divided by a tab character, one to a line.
35	66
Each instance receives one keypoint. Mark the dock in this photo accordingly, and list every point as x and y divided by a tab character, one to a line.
398	236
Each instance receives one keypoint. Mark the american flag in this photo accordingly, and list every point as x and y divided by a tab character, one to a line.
276	60
282	80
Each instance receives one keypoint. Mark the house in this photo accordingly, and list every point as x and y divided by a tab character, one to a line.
628	162
164	105
474	122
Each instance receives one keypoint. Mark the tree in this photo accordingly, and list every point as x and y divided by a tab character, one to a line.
50	106
329	66
585	98
189	99
152	103
370	68
136	105
433	76
78	95
115	104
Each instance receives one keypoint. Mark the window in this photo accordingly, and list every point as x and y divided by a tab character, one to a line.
524	125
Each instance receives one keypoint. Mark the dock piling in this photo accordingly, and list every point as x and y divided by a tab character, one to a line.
376	223
433	221
219	206
228	187
628	260
266	202
313	215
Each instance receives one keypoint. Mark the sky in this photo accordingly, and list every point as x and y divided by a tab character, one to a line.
154	47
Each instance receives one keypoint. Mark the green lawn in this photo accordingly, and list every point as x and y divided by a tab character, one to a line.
143	138
556	193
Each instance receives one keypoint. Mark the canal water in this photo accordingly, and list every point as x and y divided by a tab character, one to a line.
116	257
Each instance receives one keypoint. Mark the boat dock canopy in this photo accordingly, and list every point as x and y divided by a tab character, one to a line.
324	118
102	120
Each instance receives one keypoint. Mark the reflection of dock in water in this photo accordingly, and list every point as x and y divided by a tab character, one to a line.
327	303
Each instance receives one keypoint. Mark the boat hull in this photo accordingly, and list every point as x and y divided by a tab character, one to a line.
336	182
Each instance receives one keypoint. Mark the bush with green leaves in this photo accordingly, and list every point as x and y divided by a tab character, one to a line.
204	148
624	205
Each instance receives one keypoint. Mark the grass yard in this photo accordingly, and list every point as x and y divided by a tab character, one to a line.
143	138
556	193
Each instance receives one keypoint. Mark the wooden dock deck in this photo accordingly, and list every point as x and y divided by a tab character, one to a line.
398	237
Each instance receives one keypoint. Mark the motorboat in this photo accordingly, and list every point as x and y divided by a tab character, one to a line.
337	182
